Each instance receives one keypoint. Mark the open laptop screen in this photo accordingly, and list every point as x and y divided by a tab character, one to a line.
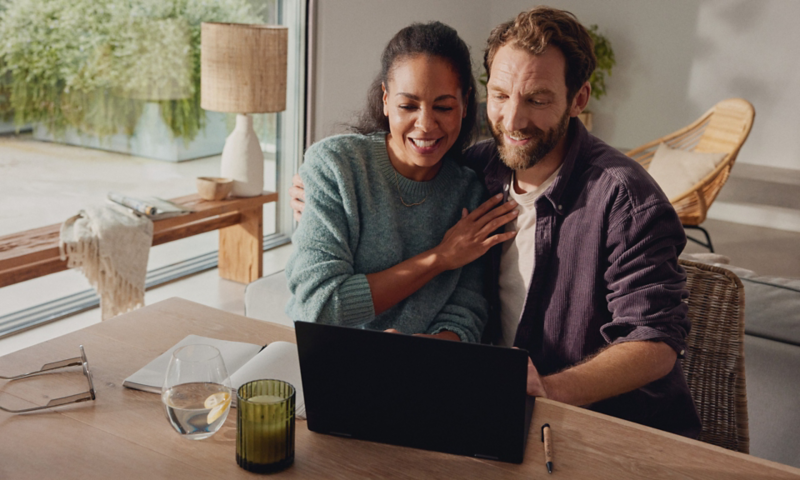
433	394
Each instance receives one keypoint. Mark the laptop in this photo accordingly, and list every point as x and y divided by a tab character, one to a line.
446	396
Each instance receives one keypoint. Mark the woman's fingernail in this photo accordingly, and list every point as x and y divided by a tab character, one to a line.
498	196
513	203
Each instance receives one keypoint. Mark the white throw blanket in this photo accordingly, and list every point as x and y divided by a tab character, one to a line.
111	245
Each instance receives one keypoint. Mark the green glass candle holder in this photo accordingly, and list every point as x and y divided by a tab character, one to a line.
265	426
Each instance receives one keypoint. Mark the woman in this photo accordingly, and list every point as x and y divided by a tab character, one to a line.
373	248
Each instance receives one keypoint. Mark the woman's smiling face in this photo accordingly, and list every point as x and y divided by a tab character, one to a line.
425	104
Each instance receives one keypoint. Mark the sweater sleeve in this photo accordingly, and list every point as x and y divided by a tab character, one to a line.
466	311
320	272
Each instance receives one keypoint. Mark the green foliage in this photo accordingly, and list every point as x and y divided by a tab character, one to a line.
605	62
5	81
93	64
6	114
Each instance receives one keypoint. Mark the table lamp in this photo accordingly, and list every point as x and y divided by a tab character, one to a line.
243	71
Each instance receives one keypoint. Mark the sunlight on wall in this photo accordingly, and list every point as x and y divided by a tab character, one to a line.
747	49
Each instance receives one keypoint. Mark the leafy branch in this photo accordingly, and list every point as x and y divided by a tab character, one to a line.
605	62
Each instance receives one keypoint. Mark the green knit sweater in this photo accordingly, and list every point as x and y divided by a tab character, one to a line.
354	224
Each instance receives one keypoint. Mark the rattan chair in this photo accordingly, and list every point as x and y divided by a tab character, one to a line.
723	129
714	359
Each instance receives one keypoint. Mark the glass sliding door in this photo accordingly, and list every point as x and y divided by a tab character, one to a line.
95	87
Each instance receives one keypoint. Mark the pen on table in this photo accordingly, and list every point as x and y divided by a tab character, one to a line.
548	447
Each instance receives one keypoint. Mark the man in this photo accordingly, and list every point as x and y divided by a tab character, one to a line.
590	285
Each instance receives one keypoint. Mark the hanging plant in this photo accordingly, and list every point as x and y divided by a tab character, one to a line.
92	65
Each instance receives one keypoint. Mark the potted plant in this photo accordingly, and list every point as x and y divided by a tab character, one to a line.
605	62
99	71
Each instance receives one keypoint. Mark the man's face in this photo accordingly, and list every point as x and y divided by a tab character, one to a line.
527	104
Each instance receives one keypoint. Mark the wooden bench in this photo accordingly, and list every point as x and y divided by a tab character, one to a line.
34	253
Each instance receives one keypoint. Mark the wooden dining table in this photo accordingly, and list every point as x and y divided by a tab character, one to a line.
124	433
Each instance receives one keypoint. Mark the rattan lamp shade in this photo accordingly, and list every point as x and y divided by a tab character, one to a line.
243	68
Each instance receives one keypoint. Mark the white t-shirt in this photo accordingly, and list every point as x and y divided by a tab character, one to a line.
518	258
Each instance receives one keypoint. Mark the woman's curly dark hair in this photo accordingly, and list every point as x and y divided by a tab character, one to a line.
433	39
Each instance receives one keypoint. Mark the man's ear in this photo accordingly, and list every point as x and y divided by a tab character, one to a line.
580	100
385	100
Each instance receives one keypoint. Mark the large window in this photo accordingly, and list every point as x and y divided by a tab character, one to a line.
106	96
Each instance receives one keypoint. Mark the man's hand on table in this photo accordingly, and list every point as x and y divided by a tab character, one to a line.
535	386
617	369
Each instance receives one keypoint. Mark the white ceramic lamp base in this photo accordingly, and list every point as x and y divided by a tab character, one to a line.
242	159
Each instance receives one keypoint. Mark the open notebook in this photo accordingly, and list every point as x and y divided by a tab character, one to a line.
245	362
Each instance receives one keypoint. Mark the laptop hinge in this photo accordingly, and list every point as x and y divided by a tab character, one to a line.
486	457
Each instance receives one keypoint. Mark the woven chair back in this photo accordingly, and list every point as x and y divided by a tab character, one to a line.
723	129
714	360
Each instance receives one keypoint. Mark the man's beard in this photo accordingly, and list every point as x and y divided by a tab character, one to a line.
542	142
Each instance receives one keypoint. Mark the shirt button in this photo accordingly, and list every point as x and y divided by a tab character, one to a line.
560	207
683	351
506	187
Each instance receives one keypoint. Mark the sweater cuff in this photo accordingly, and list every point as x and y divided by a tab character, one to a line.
357	307
462	334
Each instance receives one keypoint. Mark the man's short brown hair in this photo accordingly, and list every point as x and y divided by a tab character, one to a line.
536	29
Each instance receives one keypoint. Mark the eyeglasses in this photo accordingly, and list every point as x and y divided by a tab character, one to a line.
49	368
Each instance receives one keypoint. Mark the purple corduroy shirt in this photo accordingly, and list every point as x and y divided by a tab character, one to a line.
606	272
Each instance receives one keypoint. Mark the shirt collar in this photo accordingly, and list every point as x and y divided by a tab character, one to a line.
578	140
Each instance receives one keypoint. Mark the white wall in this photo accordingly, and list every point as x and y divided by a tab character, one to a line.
675	59
350	37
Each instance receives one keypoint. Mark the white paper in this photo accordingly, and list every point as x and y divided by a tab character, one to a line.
151	377
278	361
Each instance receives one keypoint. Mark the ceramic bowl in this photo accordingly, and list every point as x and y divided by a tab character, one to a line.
214	188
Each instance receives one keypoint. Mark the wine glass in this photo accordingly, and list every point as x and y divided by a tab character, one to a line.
197	391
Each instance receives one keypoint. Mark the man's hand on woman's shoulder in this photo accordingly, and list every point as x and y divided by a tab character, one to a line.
297	197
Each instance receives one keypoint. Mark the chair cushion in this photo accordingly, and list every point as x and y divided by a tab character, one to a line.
266	298
709	258
676	171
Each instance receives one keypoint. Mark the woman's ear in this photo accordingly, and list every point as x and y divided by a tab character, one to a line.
385	100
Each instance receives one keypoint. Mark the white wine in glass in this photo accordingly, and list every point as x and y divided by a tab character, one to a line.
197	391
